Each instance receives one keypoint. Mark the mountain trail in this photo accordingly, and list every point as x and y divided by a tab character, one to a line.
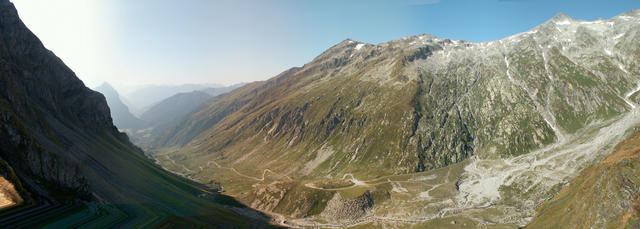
264	172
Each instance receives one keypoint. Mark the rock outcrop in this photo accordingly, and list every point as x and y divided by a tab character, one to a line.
341	209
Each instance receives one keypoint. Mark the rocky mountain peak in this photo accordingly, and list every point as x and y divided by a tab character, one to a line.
561	18
633	13
106	88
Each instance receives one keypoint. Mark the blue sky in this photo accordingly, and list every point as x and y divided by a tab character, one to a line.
129	43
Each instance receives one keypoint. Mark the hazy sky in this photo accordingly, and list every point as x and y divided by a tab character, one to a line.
135	42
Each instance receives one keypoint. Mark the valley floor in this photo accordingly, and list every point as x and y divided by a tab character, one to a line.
478	192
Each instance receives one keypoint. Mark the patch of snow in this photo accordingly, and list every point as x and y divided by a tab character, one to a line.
506	61
607	52
618	36
546	65
564	22
625	17
587	22
553	127
591	22
359	46
621	67
628	95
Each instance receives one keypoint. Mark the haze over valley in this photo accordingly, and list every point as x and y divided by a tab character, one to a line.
536	129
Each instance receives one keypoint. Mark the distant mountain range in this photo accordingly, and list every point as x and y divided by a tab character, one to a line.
174	107
120	113
160	112
144	98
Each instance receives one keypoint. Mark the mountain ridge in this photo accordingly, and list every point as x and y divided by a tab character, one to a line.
411	105
120	113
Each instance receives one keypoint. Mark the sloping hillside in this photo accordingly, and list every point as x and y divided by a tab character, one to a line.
605	195
174	107
143	98
360	112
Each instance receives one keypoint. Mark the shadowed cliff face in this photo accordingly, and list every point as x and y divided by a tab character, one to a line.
122	117
59	138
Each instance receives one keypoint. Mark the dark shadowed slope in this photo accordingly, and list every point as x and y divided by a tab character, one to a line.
122	117
59	138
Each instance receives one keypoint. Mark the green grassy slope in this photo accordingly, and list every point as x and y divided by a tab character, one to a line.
605	195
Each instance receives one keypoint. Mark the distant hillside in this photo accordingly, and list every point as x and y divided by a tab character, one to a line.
145	97
174	107
165	113
120	113
215	91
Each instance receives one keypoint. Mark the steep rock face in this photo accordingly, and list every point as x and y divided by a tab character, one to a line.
420	102
37	90
58	137
122	118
